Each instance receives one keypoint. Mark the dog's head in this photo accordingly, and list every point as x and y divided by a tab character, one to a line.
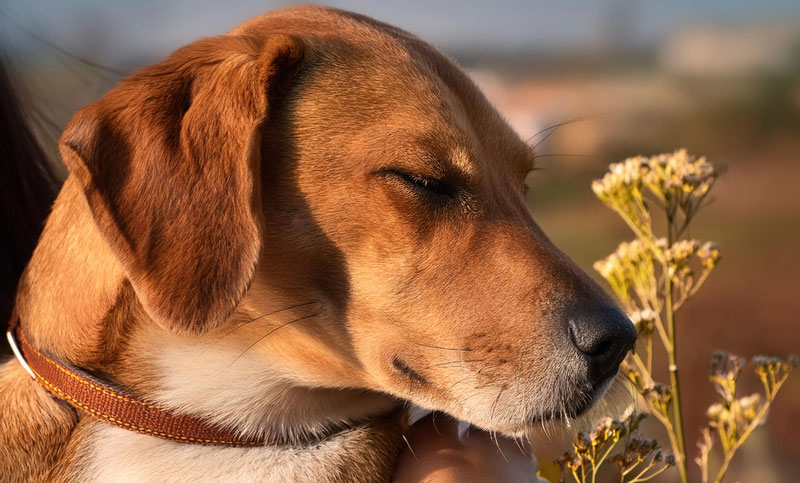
320	164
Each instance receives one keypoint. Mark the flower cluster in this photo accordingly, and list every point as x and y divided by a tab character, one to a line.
621	190
773	371
679	260
708	253
679	256
725	369
630	272
659	398
621	177
639	451
644	321
732	419
678	182
592	449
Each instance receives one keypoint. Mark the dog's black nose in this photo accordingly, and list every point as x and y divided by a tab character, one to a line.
603	336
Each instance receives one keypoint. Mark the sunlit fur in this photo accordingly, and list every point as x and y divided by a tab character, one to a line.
230	245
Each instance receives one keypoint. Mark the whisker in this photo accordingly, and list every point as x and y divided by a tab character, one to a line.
497	443
545	430
461	401
554	155
461	361
519	445
410	448
442	348
266	335
433	422
464	379
295	306
548	131
496	400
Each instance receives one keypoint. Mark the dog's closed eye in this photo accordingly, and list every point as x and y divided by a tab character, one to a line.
437	189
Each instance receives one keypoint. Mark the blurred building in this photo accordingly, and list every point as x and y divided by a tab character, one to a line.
705	50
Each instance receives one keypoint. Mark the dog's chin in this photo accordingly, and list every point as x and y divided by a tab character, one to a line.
521	425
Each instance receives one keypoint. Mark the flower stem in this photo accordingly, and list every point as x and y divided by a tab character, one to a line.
677	417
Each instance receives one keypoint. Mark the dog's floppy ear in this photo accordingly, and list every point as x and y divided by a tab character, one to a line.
170	163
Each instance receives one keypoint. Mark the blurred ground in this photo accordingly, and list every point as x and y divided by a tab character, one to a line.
722	81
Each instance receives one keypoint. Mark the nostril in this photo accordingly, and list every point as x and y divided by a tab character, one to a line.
604	347
603	336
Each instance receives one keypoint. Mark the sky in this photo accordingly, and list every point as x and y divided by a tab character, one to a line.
113	32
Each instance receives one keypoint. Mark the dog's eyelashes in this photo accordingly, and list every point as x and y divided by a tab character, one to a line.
422	184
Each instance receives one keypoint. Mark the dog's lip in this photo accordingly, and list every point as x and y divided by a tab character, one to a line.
589	396
416	413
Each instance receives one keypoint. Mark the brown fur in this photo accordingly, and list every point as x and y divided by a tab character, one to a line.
234	241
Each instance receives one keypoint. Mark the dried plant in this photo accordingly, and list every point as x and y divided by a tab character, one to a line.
653	276
638	460
732	418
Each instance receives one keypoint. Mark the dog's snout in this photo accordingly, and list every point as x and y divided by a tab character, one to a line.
603	336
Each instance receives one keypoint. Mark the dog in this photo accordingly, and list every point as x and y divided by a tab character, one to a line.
290	231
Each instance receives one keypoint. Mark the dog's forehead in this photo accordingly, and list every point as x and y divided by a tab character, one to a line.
365	69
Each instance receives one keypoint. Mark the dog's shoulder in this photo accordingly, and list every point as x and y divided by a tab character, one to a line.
34	428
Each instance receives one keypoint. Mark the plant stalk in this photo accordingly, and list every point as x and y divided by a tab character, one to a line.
680	451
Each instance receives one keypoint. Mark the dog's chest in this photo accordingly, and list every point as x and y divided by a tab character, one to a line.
113	454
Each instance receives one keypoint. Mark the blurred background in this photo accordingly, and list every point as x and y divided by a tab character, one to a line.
620	77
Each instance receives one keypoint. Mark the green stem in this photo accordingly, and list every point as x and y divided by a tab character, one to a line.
653	475
641	473
675	388
605	455
663	418
662	333
699	283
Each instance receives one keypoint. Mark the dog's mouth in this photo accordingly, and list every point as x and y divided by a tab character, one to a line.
518	416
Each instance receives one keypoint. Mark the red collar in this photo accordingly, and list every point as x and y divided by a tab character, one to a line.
114	405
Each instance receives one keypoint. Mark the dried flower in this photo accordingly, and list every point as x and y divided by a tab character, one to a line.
590	451
678	182
734	419
679	255
773	371
634	376
659	396
725	369
630	272
708	253
644	321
